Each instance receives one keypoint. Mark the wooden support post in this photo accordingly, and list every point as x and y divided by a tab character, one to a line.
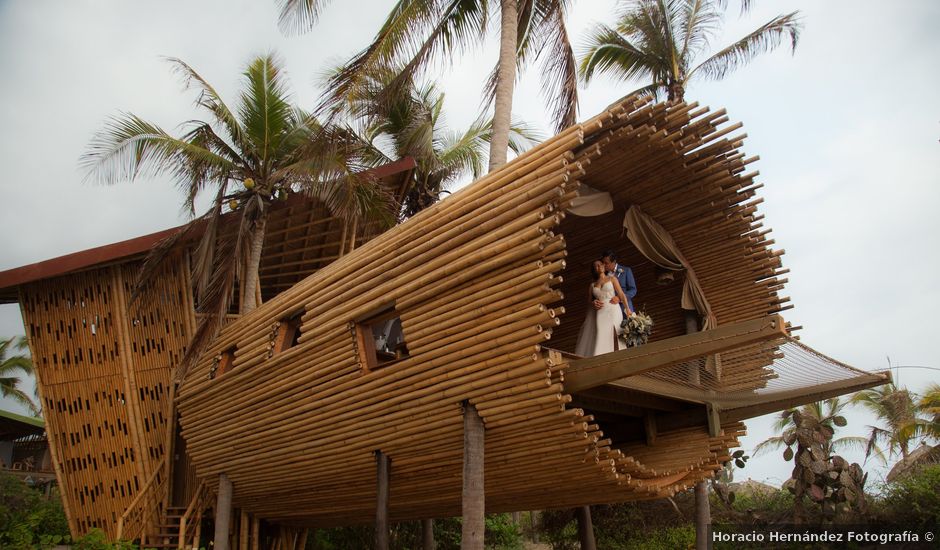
586	529
244	522
714	419
649	425
223	513
381	500
256	534
702	516
427	534
691	327
473	503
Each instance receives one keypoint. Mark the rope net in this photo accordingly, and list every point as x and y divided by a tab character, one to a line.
785	370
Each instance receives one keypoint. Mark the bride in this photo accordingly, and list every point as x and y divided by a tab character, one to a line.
602	322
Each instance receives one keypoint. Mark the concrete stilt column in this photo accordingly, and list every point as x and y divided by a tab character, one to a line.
586	529
534	522
703	516
473	503
223	513
427	534
381	504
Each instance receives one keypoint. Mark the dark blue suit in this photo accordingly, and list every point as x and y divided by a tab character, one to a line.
624	276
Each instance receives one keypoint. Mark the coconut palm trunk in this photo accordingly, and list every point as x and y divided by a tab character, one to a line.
252	273
505	80
676	92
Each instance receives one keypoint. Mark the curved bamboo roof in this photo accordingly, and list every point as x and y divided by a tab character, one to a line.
477	280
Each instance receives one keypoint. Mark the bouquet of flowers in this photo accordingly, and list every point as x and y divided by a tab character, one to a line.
636	329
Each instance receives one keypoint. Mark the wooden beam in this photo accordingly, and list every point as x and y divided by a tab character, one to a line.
381	500
632	397
595	371
595	404
798	397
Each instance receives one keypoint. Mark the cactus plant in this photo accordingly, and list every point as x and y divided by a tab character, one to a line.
828	480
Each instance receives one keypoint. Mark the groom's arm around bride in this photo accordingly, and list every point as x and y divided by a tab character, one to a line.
624	276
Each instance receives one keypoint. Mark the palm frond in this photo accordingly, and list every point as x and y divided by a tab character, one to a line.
607	51
265	109
128	146
414	32
560	75
299	16
209	99
465	152
9	390
219	293
699	25
856	443
765	38
461	23
770	444
653	89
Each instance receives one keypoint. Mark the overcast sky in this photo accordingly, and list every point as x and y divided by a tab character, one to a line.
847	130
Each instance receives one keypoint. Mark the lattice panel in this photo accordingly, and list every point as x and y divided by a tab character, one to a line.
75	328
158	328
104	375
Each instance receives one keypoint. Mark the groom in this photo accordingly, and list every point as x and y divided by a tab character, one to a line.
624	276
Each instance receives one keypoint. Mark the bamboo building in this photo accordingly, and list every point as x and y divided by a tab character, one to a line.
295	401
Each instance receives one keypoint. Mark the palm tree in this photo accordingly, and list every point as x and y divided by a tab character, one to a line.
248	157
930	405
827	414
660	40
926	423
417	32
9	384
897	409
411	124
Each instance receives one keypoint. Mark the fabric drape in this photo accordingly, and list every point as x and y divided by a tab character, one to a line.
591	202
654	242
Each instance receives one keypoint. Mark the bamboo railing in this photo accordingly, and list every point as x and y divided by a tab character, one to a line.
147	508
192	518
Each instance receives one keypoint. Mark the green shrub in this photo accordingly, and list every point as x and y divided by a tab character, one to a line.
620	526
755	507
670	538
501	534
913	500
27	518
97	540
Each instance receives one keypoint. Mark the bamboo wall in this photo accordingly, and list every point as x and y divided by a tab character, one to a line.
104	375
475	280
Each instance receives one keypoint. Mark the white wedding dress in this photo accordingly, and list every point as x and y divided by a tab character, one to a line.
599	331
